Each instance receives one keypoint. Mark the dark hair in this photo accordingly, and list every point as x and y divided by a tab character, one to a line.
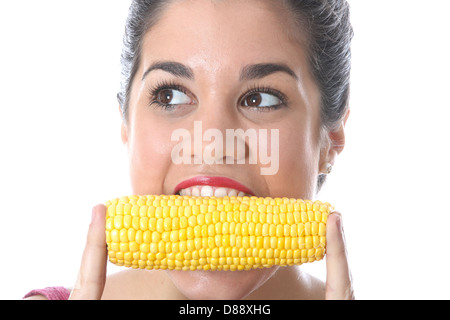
329	35
142	15
329	39
329	43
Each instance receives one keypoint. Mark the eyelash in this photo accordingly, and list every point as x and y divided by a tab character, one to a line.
170	85
160	86
261	89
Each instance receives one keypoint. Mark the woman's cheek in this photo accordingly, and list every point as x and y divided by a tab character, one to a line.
297	171
149	152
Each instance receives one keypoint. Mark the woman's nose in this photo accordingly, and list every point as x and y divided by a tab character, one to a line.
222	147
218	136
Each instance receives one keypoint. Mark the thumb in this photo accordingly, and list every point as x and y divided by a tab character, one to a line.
92	275
339	279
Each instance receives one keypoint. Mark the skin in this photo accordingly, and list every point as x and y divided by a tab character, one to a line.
234	34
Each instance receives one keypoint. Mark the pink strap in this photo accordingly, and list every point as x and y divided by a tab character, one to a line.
51	293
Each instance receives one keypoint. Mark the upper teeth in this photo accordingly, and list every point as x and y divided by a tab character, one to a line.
209	191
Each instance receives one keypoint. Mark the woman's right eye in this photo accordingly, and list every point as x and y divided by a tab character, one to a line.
171	97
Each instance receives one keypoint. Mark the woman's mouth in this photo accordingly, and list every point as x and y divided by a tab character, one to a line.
209	191
206	186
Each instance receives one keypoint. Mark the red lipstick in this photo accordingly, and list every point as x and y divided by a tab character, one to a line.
214	182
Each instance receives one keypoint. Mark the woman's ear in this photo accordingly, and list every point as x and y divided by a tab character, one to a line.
333	147
123	129
337	137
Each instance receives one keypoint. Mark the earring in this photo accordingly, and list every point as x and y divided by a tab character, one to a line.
328	168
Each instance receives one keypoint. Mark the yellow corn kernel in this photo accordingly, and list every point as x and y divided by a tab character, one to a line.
209	233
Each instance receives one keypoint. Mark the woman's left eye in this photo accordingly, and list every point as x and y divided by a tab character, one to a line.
261	100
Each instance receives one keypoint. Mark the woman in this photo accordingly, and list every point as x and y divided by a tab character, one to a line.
229	64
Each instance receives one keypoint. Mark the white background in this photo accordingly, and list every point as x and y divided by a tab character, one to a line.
61	152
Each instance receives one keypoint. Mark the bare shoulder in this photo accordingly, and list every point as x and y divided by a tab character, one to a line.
290	283
317	287
306	286
138	284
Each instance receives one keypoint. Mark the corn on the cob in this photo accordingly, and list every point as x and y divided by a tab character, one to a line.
209	233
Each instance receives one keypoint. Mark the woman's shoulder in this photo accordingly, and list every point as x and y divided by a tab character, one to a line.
138	284
290	283
127	284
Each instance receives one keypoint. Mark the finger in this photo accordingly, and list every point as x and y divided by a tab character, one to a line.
92	274
339	282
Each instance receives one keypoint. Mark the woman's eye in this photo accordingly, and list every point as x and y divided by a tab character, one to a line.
261	100
172	97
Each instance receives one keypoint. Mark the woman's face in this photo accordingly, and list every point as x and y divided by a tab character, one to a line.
223	65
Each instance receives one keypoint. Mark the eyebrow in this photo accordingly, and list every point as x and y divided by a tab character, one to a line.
259	71
175	68
249	72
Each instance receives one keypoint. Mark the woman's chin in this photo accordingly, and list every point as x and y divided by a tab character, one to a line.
219	285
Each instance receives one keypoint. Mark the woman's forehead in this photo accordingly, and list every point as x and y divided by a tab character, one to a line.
209	34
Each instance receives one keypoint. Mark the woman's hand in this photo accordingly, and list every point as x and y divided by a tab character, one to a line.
92	275
339	280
